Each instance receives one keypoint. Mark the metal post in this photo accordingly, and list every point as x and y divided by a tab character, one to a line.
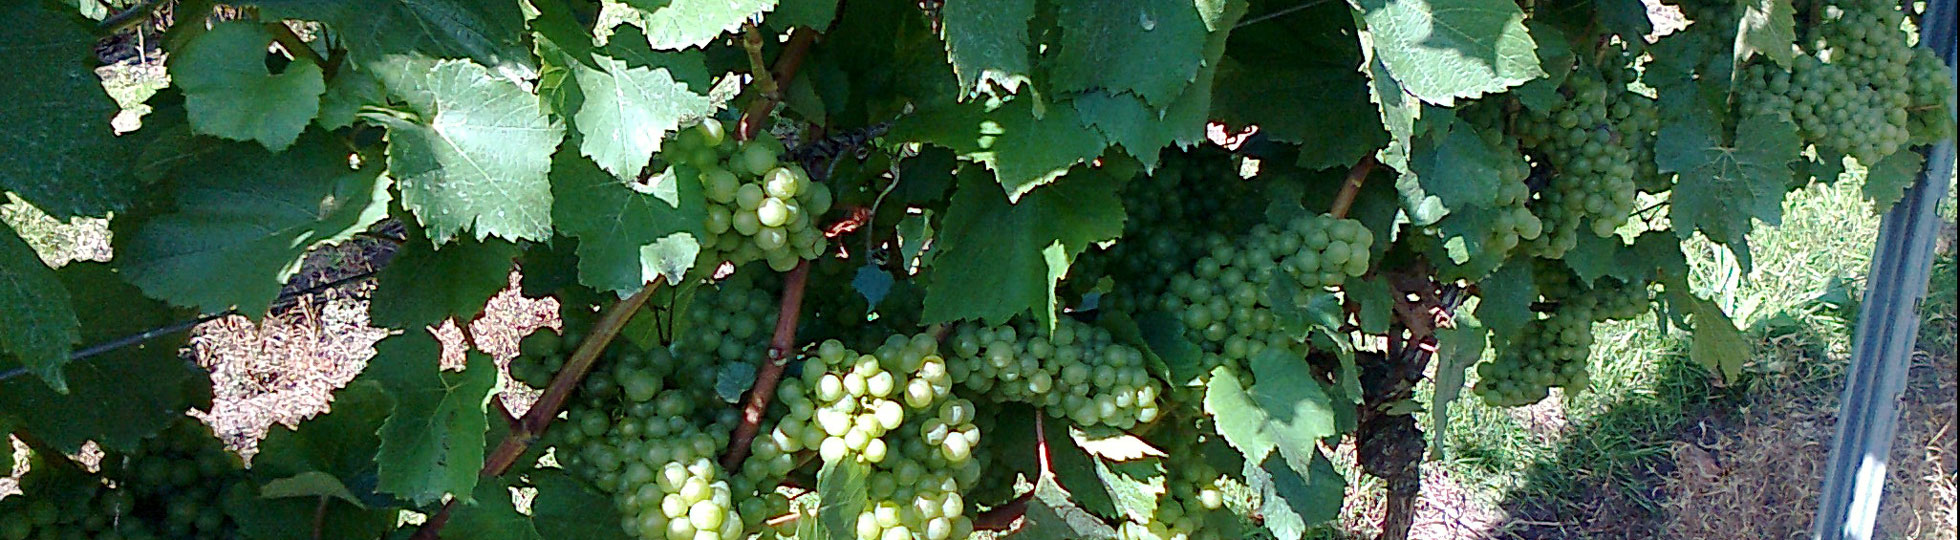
1888	325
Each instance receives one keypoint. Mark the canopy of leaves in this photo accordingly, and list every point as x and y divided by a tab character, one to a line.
61	153
34	308
999	259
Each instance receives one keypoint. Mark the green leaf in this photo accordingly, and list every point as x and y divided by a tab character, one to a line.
1126	120
348	91
1183	360
101	404
670	257
492	515
812	14
231	93
1051	515
873	283
1555	56
1294	495
1112	444
1074	470
264	517
1300	309
1287	408
313	484
1460	168
1134	486
1398	109
680	24
62	156
987	41
1768	27
1377	302
425	284
1150	48
432	443
841	497
734	379
342	443
1324	108
616	222
392	32
41	329
1887	180
997	259
1723	187
631	97
478	155
1442	50
249	215
1457	348
1717	345
567	508
1505	297
1023	150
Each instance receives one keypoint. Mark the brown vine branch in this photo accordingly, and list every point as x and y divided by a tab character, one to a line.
1351	187
771	372
526	430
787	64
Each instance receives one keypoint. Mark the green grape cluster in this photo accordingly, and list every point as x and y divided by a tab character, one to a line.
730	324
1194	491
177	481
642	435
894	411
1077	371
1593	188
1856	89
758	208
1164	211
1548	352
1222	300
1618	300
541	354
63	501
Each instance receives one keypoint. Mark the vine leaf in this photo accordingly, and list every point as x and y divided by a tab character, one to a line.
61	154
41	328
348	91
476	157
1051	514
1299	309
249	215
101	404
988	42
340	444
842	494
567	508
1457	167
1457	348
262	516
1182	359
1296	495
1397	107
1377	301
1716	344
1505	298
1441	50
424	285
1073	469
998	259
812	14
1325	108
1150	48
1023	150
231	94
432	443
492	515
616	222
1113	444
1287	409
1767	27
394	33
631	98
1723	188
680	24
1886	181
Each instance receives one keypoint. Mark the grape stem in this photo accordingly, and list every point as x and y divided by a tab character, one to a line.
526	430
781	345
1351	187
787	64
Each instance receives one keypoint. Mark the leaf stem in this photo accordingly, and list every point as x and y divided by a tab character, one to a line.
771	372
787	64
1351	187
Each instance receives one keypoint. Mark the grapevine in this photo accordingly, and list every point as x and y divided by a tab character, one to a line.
890	270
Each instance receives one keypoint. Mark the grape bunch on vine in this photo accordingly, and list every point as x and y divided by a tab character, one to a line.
884	269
